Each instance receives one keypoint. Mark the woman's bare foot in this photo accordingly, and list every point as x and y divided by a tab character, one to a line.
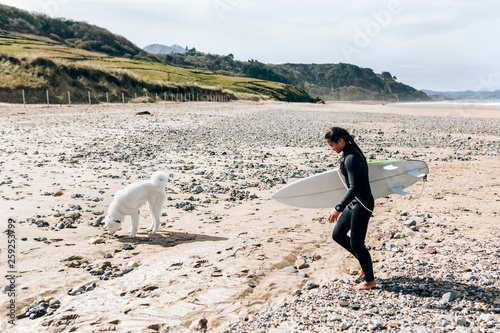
360	274
365	285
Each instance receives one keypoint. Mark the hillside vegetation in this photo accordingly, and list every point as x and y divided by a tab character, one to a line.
39	66
70	33
40	53
328	81
74	50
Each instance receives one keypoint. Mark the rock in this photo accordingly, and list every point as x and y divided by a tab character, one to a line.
96	240
42	224
103	264
307	255
407	330
73	215
410	223
461	321
126	269
301	264
448	297
316	257
54	303
290	269
345	326
355	306
37	311
344	303
127	247
199	325
310	285
97	271
444	320
76	291
377	324
197	189
133	264
90	287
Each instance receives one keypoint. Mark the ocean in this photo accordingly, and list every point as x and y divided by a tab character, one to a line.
485	102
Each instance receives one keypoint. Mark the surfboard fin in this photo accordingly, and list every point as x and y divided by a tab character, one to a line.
398	190
415	173
389	167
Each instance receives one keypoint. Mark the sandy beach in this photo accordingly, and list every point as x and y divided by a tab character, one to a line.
226	252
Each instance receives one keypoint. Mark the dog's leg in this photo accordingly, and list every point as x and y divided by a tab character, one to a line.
135	224
151	210
155	212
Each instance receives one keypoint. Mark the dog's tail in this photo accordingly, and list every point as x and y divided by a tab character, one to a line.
159	179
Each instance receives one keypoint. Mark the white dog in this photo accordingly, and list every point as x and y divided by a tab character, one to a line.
129	201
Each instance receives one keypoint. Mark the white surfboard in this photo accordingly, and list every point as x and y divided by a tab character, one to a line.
326	189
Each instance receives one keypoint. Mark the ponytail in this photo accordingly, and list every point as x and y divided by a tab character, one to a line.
336	133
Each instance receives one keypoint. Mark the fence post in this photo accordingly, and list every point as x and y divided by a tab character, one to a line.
123	98
48	102
107	97
90	102
24	99
69	98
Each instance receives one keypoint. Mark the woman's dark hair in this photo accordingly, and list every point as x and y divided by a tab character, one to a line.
336	133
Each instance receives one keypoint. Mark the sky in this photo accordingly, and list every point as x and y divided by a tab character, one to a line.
443	45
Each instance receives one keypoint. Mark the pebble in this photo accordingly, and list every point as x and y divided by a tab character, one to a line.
448	297
90	287
401	302
291	269
417	296
310	285
127	247
54	303
77	291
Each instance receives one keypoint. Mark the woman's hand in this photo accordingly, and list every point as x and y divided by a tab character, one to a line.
334	216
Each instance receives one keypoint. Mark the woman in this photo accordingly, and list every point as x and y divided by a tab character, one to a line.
355	209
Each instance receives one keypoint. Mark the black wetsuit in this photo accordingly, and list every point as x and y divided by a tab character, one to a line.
354	216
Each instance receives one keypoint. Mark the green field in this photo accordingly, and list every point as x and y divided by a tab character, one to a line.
26	49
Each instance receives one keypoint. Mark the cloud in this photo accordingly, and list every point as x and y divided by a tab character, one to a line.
425	42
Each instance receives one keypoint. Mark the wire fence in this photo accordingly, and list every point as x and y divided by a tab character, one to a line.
48	97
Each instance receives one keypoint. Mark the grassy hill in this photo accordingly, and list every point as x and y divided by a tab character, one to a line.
341	81
38	53
67	32
38	66
348	82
